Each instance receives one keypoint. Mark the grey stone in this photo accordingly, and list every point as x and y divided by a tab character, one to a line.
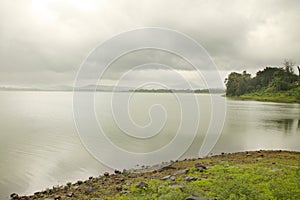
70	194
142	184
176	186
166	177
128	184
173	178
119	188
182	171
14	196
106	174
190	178
57	197
89	189
165	168
75	187
192	198
200	167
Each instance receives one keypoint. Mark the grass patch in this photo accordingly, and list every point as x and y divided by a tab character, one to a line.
239	176
290	96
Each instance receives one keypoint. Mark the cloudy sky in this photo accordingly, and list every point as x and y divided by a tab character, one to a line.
44	42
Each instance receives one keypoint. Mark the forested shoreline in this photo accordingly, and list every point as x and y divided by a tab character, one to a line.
279	84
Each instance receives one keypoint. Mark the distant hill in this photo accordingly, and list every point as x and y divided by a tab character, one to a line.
109	88
213	90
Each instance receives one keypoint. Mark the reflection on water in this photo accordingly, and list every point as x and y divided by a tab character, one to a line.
39	145
288	126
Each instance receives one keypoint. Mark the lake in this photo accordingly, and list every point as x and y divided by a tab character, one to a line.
40	146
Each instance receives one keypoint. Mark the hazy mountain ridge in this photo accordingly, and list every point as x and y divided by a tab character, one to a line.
109	88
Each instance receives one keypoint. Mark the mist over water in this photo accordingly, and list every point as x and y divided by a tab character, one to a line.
39	145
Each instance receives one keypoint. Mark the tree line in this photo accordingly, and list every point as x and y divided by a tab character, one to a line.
271	78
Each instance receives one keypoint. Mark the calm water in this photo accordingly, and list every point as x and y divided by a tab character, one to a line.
39	145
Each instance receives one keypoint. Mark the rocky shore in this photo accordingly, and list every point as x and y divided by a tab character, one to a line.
243	175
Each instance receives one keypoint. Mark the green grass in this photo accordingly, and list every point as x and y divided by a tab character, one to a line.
271	175
290	96
227	181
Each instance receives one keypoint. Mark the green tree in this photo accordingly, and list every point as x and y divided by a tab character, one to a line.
237	84
299	75
288	65
270	78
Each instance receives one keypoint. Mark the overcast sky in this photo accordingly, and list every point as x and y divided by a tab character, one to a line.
43	42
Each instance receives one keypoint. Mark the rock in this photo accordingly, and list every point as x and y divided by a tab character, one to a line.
119	179
128	184
168	177
141	184
118	172
132	176
183	171
75	187
190	178
173	178
88	190
44	191
57	197
124	192
197	198
14	196
37	193
70	194
176	186
165	177
79	182
90	178
106	174
119	188
200	167
192	198
165	168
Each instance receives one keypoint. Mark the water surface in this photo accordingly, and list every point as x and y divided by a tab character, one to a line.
39	145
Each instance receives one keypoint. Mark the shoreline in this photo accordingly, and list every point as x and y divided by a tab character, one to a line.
198	178
262	99
289	96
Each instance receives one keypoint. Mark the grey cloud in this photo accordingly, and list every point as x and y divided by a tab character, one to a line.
50	39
